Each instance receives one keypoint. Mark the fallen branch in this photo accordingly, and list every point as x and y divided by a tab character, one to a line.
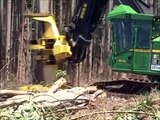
12	92
92	89
97	93
60	82
49	99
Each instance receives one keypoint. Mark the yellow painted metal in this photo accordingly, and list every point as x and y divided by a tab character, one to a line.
61	49
156	51
31	87
145	50
51	30
36	47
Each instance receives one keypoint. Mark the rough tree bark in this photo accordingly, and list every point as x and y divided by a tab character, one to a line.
15	69
8	38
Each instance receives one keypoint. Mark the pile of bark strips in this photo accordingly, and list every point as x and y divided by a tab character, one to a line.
72	98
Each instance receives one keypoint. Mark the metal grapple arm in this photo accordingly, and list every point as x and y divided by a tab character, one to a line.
87	15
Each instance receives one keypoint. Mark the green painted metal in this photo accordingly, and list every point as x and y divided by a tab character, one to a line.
135	41
124	11
156	39
121	9
156	43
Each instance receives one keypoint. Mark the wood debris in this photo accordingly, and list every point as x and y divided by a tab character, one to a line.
70	98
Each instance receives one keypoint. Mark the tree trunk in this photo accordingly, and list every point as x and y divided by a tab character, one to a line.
8	38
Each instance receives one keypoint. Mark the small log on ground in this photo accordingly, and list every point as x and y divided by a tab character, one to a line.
92	89
60	82
12	92
99	93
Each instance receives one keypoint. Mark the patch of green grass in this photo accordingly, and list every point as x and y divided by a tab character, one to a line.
31	111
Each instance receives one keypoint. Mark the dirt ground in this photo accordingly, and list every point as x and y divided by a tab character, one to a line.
115	106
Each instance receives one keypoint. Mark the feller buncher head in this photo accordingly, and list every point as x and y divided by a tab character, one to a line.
53	47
